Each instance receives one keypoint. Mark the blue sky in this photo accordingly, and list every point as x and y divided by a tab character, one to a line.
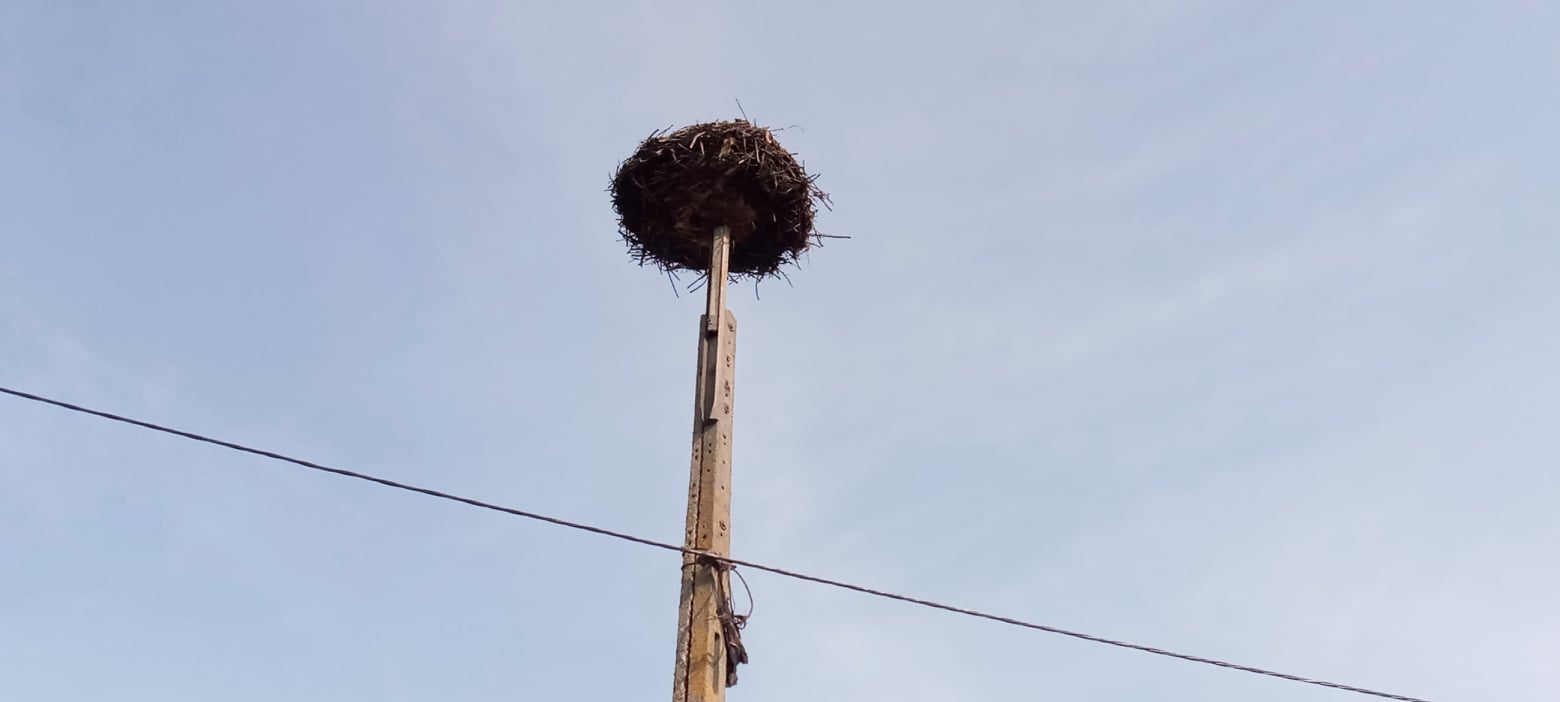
1225	327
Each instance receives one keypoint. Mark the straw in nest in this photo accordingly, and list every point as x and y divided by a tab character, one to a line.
672	193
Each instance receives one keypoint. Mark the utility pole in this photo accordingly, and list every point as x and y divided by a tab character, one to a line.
702	614
727	199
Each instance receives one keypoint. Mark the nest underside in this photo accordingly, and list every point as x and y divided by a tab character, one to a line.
679	186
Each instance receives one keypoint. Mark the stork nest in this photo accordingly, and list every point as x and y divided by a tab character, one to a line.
672	193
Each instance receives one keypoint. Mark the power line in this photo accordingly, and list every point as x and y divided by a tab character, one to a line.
681	549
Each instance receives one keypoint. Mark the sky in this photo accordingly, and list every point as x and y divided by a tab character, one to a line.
1223	327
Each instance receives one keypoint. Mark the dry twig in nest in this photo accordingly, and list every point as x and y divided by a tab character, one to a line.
679	186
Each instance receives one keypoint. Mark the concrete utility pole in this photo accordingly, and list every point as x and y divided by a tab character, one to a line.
701	616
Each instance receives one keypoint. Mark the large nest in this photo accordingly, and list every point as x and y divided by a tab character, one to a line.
672	193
